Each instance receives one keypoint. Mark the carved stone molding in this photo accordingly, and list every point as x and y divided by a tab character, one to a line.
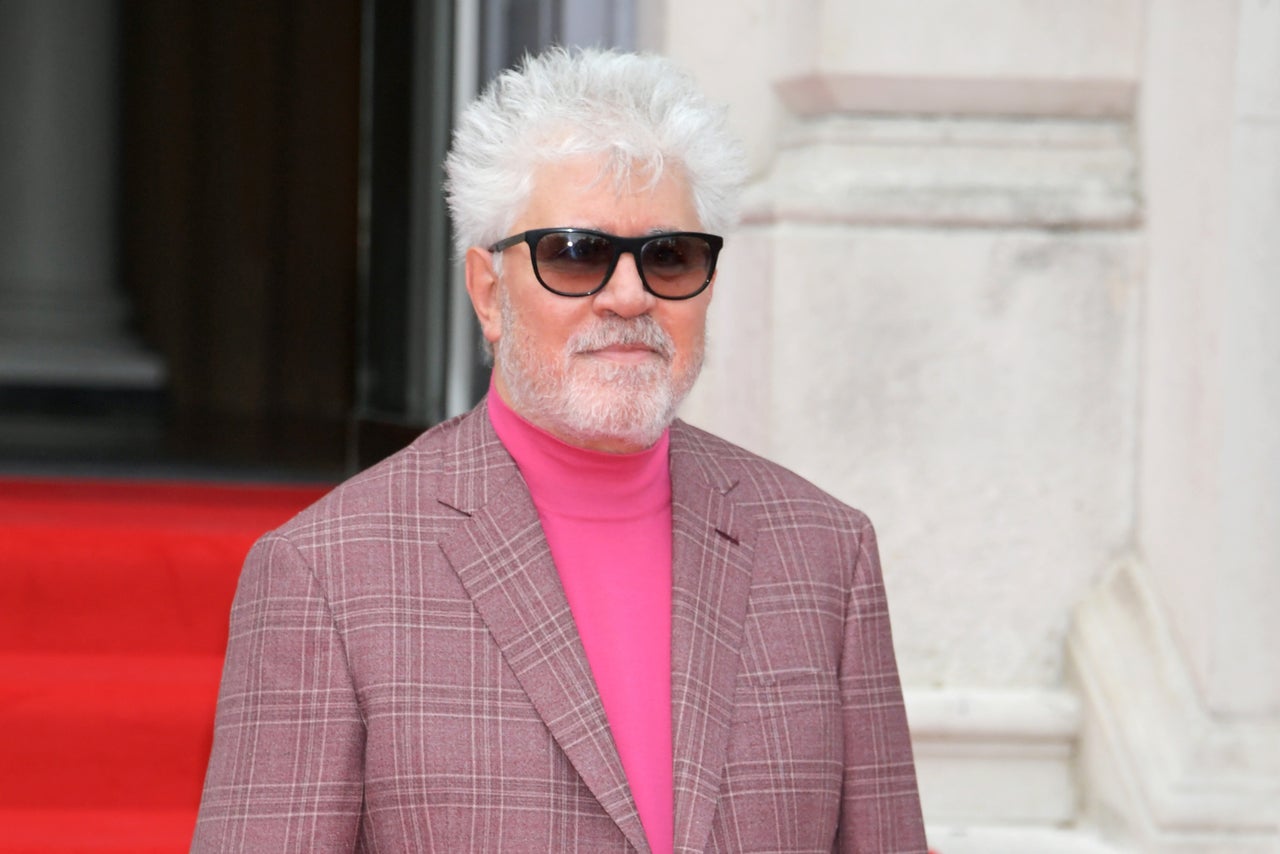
1162	770
945	171
995	757
1025	97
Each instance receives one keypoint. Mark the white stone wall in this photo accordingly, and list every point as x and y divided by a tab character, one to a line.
1175	653
1008	281
1212	145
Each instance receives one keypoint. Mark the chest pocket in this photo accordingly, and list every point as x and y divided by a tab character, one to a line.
773	694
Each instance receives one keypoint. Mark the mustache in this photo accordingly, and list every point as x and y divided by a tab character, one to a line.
640	331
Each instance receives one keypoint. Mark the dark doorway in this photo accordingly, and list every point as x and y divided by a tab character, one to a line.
240	179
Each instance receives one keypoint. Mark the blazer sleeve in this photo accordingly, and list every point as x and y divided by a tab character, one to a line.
880	804
285	771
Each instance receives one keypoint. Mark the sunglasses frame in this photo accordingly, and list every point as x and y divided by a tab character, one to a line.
632	245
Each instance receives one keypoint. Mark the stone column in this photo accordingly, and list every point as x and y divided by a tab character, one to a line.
63	320
1176	653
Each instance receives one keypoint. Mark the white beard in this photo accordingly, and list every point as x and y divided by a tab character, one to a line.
584	399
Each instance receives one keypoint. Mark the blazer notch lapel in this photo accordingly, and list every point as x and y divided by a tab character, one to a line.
712	560
500	555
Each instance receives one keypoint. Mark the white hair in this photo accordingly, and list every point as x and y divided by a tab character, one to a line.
639	112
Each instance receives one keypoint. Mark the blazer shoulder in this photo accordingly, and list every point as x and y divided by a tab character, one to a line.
395	484
751	477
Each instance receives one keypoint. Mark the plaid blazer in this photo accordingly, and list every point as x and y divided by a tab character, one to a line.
404	674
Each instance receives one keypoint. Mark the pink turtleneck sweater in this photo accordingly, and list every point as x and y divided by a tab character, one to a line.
607	518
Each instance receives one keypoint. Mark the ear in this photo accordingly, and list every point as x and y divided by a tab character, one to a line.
482	287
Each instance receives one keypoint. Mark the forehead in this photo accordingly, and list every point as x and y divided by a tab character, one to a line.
587	192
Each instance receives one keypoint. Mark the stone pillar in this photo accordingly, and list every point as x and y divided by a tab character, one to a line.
63	320
1176	653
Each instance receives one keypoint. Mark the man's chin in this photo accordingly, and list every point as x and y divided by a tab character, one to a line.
597	404
630	413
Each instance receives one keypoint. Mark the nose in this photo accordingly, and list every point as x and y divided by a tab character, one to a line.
624	294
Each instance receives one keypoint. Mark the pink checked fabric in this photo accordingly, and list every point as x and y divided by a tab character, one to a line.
404	675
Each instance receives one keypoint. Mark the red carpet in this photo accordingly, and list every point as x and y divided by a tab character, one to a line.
114	600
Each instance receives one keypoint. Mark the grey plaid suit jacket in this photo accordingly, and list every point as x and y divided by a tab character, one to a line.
404	674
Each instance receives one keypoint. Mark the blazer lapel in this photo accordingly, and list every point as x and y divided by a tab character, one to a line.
711	576
501	556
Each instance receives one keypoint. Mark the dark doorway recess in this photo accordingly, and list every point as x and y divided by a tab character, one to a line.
240	176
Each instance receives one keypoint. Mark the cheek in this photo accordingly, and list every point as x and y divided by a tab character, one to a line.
533	321
687	332
550	337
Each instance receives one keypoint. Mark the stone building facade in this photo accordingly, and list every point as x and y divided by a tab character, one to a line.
1006	281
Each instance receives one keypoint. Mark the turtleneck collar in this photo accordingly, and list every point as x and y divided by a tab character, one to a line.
578	482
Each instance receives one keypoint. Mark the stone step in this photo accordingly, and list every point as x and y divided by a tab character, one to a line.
954	839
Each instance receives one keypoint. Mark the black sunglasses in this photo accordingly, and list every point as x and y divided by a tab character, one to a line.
577	262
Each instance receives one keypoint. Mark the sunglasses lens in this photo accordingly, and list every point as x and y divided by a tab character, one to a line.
573	262
577	263
676	265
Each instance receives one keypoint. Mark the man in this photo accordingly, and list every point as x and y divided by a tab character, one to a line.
566	621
